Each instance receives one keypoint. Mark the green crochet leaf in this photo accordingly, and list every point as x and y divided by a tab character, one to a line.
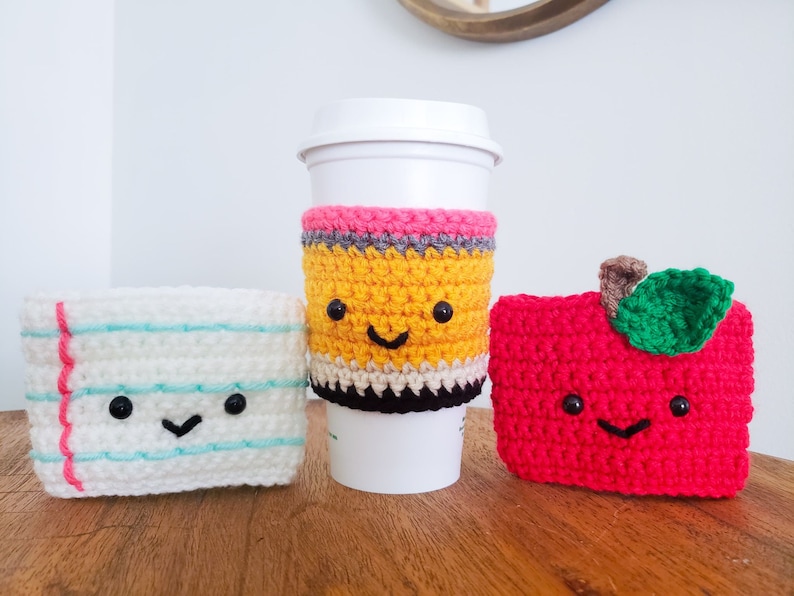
673	311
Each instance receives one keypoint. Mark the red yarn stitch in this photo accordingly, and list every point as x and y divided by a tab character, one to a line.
546	348
399	221
66	396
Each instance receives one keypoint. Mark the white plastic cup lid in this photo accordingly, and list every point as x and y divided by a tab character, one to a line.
387	119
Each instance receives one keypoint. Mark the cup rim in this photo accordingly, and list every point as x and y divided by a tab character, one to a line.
390	119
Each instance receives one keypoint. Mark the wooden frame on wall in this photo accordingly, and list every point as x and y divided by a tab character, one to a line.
533	20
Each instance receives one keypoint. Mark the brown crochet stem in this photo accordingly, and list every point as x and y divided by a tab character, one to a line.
619	276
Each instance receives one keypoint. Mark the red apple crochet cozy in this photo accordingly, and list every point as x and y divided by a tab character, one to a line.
644	392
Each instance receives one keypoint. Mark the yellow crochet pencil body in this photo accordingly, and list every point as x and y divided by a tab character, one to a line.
398	305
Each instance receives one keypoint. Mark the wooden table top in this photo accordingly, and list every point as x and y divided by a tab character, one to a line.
490	533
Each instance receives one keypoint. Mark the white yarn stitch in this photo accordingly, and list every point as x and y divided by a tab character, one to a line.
324	370
170	375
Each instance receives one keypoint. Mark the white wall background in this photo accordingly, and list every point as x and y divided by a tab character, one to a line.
661	129
56	141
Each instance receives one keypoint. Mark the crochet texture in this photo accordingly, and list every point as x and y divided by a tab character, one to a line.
397	305
136	391
575	403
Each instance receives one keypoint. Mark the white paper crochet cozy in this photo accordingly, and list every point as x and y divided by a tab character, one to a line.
154	390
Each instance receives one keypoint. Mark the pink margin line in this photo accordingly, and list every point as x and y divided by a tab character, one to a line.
66	396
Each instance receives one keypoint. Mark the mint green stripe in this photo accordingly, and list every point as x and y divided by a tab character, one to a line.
173	328
120	456
164	388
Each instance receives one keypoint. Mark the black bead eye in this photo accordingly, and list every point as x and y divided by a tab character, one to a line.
572	404
120	407
679	406
235	404
336	309
442	312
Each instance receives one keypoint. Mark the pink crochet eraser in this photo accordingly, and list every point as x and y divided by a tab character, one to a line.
575	402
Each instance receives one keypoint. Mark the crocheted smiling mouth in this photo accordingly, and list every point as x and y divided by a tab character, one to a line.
389	345
624	433
185	428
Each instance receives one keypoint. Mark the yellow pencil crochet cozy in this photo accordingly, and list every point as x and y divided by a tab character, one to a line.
398	305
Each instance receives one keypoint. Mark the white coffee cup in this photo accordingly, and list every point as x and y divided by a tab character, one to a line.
398	153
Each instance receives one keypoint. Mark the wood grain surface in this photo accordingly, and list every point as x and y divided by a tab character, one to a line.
490	533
